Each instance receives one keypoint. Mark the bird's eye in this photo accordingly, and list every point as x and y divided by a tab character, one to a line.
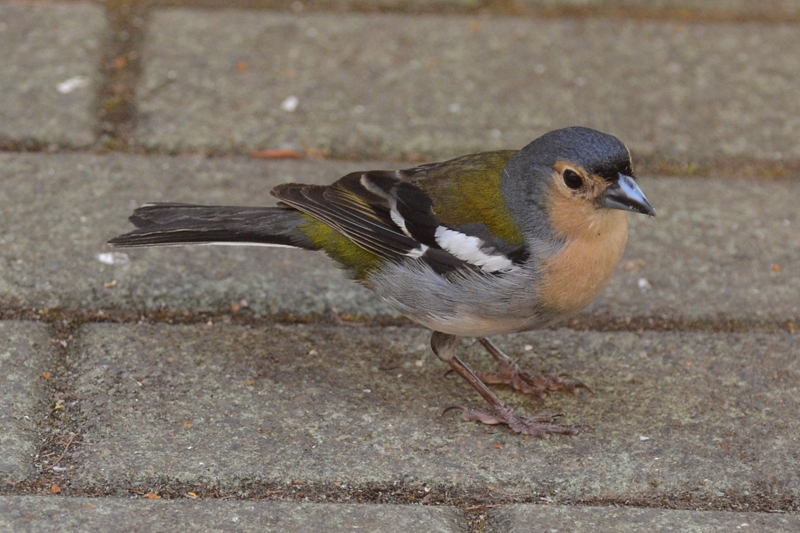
572	180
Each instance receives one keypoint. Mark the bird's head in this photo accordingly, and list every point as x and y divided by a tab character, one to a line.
578	176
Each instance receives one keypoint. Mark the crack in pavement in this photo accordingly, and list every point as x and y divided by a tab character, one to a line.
584	322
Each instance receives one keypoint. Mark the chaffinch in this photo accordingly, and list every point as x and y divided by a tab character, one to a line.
484	244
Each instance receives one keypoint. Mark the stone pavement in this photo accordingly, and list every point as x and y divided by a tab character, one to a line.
254	389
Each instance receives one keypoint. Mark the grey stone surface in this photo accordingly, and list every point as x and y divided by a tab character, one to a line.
58	211
709	10
700	417
24	357
555	519
44	46
399	86
339	6
718	248
43	514
771	9
709	254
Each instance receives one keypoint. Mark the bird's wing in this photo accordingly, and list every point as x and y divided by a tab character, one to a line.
469	205
361	212
388	214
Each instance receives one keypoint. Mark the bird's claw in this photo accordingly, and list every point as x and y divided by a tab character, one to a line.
542	426
540	386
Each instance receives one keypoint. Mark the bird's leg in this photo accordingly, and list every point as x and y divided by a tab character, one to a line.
511	374
444	346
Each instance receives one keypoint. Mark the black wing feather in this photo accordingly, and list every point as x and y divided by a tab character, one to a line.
359	206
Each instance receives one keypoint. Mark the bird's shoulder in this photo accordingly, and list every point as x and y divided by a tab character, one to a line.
467	195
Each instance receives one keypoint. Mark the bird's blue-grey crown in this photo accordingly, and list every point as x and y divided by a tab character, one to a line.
599	153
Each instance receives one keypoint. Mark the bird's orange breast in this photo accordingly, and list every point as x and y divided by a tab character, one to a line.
594	240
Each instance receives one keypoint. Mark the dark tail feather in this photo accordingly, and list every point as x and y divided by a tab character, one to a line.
170	224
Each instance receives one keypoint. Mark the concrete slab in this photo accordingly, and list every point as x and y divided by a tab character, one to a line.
24	357
399	86
58	211
688	10
338	6
48	75
776	10
709	255
554	518
43	514
718	249
686	416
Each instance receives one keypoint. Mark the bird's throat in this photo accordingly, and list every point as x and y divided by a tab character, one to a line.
575	275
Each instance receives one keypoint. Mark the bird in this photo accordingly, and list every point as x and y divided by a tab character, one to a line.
485	244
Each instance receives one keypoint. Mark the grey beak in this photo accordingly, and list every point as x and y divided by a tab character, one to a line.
628	196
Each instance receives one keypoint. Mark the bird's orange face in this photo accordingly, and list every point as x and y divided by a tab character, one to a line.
574	206
574	181
593	236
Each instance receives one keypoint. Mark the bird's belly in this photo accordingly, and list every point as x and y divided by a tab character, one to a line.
473	305
480	326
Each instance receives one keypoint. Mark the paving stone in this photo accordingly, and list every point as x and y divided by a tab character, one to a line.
555	519
24	357
709	254
48	75
776	10
58	211
338	6
688	10
400	86
717	249
43	514
699	417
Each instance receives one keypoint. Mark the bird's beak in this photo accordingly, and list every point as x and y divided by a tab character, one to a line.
628	196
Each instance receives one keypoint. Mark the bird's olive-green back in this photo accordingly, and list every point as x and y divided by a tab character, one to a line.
467	191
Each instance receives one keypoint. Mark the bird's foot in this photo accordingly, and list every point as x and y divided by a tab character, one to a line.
542	427
526	383
512	374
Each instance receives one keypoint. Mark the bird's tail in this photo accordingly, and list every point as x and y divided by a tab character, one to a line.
173	224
